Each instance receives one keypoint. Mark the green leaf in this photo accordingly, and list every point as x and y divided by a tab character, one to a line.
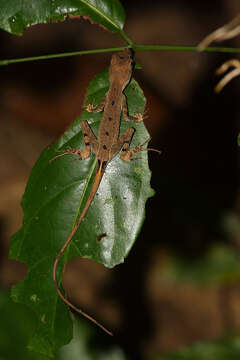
16	326
16	15
18	322
228	348
218	267
53	199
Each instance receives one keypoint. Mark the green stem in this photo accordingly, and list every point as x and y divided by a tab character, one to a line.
129	41
54	56
126	38
184	48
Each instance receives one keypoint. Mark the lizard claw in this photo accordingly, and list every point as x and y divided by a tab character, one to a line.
138	117
90	107
141	148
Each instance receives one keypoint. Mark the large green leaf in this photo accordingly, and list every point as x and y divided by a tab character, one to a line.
52	202
16	15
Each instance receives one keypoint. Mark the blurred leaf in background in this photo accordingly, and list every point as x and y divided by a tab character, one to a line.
226	349
219	266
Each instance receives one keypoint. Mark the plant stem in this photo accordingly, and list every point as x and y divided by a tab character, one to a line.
135	46
126	38
54	56
184	48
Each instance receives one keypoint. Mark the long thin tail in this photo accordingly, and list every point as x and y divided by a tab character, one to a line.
97	180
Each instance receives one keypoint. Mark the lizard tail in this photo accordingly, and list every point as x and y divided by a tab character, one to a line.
97	180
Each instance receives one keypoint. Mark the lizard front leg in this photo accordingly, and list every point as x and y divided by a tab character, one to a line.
97	108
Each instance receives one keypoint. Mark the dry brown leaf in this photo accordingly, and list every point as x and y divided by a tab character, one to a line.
225	32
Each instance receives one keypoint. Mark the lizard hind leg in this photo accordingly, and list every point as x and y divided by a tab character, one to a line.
89	140
123	144
127	154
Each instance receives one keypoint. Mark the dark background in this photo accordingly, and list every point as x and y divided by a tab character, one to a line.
195	179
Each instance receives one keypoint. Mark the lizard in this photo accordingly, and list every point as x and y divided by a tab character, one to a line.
107	145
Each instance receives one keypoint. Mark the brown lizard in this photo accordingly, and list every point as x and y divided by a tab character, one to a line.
108	143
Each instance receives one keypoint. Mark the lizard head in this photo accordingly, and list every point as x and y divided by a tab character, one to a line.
121	67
